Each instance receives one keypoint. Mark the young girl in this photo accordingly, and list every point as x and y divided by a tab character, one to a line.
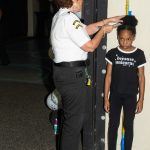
124	80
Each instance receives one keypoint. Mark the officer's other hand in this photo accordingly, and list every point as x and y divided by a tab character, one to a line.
107	28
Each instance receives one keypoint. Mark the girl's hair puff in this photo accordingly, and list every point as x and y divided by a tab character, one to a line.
129	23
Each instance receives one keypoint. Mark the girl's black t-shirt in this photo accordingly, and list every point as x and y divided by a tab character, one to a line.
125	69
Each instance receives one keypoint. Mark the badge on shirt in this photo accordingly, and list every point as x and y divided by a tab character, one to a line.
77	24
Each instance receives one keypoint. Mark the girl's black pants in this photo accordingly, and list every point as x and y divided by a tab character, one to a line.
128	103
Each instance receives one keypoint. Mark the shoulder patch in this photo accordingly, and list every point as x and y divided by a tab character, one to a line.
77	24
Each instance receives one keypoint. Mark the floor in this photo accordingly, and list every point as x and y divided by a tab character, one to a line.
24	86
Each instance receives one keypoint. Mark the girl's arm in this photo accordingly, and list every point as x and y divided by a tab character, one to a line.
107	87
141	76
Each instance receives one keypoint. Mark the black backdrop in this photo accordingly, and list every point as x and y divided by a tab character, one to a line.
94	131
15	18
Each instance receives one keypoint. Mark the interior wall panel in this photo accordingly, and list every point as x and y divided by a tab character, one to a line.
94	132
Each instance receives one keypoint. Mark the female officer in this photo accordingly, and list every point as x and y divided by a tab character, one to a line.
70	44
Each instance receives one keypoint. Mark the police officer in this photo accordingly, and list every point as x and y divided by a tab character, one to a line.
70	44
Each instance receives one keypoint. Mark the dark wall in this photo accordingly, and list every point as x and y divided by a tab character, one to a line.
44	17
94	131
15	18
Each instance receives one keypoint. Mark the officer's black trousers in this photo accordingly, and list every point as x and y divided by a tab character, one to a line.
128	102
70	82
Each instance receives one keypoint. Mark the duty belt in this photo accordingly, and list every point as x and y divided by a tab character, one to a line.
73	63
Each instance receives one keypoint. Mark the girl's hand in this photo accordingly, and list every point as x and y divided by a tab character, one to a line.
139	106
106	105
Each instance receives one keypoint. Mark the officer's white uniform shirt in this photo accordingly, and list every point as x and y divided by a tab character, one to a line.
68	34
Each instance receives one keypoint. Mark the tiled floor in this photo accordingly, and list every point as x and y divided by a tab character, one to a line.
24	85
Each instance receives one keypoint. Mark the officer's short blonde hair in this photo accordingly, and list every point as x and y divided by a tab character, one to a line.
63	3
